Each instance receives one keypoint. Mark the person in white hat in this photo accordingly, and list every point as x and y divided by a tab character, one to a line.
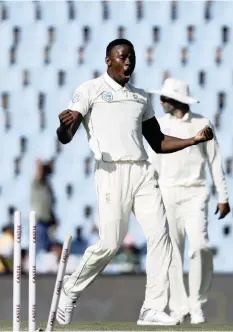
181	177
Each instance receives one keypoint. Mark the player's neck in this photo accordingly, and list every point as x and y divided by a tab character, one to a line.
178	113
115	79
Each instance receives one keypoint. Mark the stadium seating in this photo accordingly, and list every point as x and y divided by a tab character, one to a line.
45	38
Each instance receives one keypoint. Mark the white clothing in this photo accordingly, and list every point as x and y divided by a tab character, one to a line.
123	187
113	118
181	177
186	168
186	210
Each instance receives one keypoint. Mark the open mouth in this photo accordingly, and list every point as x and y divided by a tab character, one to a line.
127	73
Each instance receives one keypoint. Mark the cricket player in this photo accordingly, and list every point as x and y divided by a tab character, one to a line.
116	116
181	179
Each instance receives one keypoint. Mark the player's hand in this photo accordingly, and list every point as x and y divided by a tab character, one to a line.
223	209
206	134
66	118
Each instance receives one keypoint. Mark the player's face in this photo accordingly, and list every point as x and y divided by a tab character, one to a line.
121	63
166	103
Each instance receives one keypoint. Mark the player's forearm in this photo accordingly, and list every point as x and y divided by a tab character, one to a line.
173	144
218	177
221	187
64	135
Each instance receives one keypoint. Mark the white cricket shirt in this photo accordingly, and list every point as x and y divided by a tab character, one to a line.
187	167
113	117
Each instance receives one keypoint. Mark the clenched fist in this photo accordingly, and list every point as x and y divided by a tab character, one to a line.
206	134
66	118
69	123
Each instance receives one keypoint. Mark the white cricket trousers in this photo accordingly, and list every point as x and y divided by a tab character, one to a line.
123	187
186	210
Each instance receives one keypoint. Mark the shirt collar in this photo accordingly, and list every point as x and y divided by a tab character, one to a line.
113	84
185	118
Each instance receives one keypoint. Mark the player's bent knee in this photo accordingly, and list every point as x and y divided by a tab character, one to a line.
110	248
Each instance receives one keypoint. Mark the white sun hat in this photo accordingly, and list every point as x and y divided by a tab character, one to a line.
177	90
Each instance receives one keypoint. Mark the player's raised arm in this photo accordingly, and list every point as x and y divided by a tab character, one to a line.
69	123
161	143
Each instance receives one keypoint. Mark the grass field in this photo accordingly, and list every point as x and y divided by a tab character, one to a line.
97	326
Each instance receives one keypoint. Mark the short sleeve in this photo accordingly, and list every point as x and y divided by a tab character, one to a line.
80	101
149	111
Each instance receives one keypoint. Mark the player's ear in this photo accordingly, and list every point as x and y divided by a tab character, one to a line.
108	61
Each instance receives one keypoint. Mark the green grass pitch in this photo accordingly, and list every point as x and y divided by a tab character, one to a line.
116	326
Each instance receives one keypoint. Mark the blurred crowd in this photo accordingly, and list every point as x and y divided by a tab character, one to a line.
129	259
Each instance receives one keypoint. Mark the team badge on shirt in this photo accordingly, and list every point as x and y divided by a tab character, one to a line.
107	198
135	96
77	96
107	96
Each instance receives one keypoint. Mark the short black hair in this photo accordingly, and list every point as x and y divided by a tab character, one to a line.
116	42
